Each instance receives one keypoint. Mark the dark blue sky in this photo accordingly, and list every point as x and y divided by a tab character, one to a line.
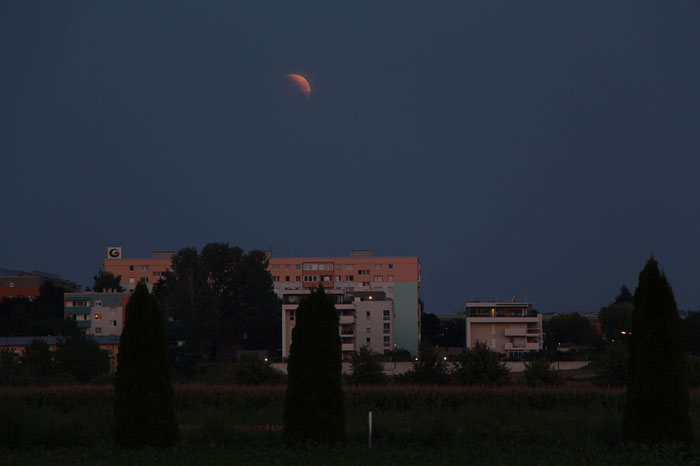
539	149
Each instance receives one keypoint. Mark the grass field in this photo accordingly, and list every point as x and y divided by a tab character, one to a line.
412	425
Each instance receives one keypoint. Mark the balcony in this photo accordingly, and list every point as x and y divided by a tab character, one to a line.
82	323
522	346
77	310
347	334
521	332
347	347
347	319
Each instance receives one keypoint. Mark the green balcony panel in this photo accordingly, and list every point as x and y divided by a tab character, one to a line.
83	323
77	310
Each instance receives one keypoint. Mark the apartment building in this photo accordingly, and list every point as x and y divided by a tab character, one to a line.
17	283
135	270
511	327
97	314
365	318
393	280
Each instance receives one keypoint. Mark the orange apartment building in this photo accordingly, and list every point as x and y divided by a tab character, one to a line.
368	289
133	270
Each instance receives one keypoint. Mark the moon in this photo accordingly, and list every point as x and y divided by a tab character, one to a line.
301	83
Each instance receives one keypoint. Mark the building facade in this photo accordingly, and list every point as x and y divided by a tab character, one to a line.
16	283
365	318
135	270
97	313
512	328
395	279
18	345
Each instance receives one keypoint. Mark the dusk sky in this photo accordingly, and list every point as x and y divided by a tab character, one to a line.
539	149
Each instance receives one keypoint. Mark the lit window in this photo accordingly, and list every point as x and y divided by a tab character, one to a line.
98	316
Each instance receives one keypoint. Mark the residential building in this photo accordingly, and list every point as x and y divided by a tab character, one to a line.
97	313
512	327
18	345
365	318
135	270
396	278
17	283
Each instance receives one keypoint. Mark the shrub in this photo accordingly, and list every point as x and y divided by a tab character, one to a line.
428	368
252	370
81	357
367	368
144	413
611	368
313	403
539	372
656	405
480	366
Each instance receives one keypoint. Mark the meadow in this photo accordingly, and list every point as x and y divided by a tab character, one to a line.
411	425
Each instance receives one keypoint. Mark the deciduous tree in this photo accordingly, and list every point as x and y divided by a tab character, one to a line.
480	365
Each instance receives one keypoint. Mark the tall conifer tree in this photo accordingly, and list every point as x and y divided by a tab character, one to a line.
656	406
144	413
313	404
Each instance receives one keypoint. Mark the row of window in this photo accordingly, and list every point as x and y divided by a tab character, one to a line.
387	340
326	278
324	266
385	313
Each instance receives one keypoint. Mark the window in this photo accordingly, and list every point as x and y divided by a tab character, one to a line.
350	278
387	327
369	340
340	279
310	278
12	284
378	278
369	329
291	315
113	323
337	267
377	266
286	266
367	315
363	272
144	268
391	266
387	316
298	278
298	267
80	303
286	278
98	302
98	316
327	278
275	278
349	267
98	329
387	340
390	278
275	266
325	267
131	268
144	279
131	280
310	266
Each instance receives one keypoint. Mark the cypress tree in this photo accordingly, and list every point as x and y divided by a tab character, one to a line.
313	403
144	413
657	401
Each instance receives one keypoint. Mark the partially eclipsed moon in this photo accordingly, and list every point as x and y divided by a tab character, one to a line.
301	83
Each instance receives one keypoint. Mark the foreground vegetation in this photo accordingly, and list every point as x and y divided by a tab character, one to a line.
412	424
